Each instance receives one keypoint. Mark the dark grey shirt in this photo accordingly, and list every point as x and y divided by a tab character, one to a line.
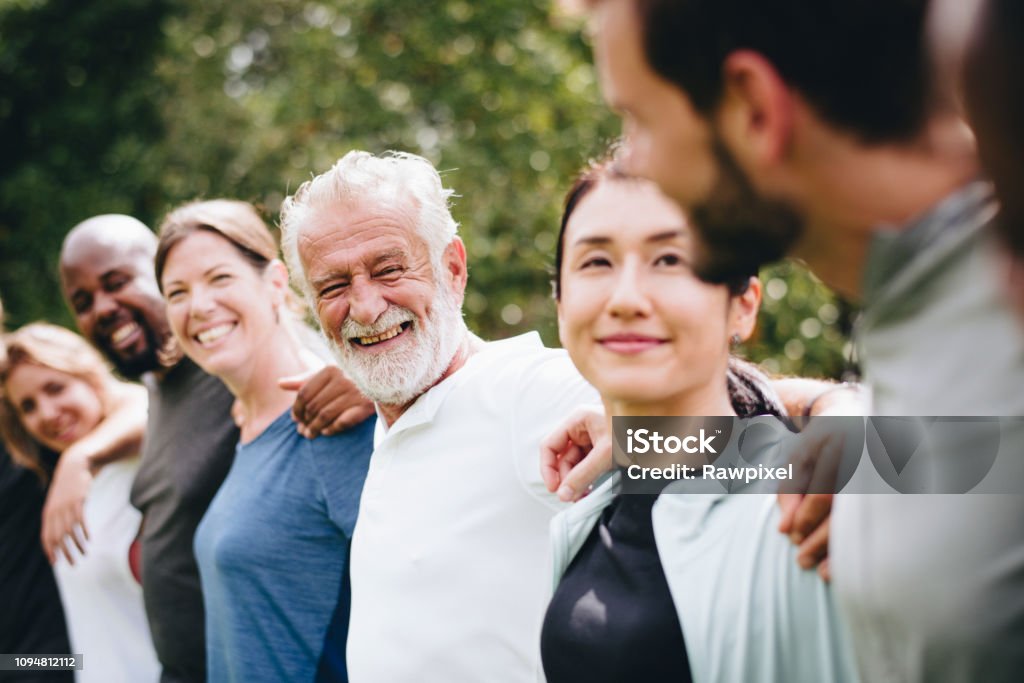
190	444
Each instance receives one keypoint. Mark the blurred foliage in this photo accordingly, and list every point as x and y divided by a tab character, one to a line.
134	106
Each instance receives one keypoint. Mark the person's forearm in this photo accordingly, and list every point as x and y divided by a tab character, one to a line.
802	396
121	432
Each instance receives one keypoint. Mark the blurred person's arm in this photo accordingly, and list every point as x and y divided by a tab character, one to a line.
803	397
806	516
118	436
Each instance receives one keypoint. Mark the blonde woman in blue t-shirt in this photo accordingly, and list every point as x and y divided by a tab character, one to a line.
273	546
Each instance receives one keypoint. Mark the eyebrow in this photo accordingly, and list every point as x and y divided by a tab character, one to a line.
389	254
205	273
600	240
395	253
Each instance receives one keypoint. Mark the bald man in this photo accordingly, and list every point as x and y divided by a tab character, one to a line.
106	268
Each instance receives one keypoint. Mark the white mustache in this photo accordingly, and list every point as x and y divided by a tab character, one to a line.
394	315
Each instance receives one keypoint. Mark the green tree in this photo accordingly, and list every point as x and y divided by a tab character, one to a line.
78	127
248	99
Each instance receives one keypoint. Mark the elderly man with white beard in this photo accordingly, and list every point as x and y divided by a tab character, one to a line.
449	559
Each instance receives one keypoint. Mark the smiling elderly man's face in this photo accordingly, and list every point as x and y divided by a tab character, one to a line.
394	323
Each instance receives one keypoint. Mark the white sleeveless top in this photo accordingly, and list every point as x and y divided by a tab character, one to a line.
102	600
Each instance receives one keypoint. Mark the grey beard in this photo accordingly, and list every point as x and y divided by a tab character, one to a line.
400	377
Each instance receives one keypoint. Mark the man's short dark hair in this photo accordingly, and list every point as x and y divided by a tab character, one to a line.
862	64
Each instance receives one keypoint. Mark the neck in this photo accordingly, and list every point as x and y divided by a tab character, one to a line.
469	346
703	401
260	398
851	191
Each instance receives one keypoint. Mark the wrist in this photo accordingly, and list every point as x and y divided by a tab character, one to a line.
846	398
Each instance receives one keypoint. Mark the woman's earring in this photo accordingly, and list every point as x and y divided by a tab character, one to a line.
735	339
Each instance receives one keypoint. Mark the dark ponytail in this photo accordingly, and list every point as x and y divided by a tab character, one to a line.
750	391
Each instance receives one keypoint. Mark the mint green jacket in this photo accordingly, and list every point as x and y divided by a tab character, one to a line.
747	610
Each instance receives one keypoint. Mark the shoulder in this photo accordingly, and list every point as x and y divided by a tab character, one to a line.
356	439
525	361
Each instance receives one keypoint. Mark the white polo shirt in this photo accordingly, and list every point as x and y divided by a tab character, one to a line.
450	557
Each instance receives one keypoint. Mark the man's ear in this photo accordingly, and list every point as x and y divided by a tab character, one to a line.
755	116
743	310
455	266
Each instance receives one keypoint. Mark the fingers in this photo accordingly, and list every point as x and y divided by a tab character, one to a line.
348	419
53	548
295	382
788	504
318	419
569	460
67	553
810	515
78	538
308	385
61	522
578	480
328	403
825	570
351	417
551	451
337	416
815	547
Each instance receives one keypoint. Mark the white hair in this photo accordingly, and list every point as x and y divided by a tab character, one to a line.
358	178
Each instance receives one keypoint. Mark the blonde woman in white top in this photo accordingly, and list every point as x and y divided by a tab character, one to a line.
55	390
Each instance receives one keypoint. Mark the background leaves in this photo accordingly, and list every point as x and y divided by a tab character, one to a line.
133	106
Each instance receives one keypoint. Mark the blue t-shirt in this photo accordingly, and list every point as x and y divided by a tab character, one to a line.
272	550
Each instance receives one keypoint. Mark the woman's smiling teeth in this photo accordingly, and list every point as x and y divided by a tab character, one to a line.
383	336
214	334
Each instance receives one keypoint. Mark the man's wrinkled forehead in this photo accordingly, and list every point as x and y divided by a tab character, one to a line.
343	222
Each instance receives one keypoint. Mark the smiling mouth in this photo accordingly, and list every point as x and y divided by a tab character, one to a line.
383	336
630	344
62	431
214	334
120	335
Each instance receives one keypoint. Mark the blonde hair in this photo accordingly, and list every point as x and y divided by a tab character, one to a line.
236	221
242	226
56	348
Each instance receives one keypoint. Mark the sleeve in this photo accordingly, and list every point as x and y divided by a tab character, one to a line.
548	390
341	462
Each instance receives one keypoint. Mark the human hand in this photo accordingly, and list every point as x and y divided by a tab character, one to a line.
63	521
327	402
822	455
805	519
574	455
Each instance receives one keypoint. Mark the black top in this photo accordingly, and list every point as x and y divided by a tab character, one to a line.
189	447
612	617
31	616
